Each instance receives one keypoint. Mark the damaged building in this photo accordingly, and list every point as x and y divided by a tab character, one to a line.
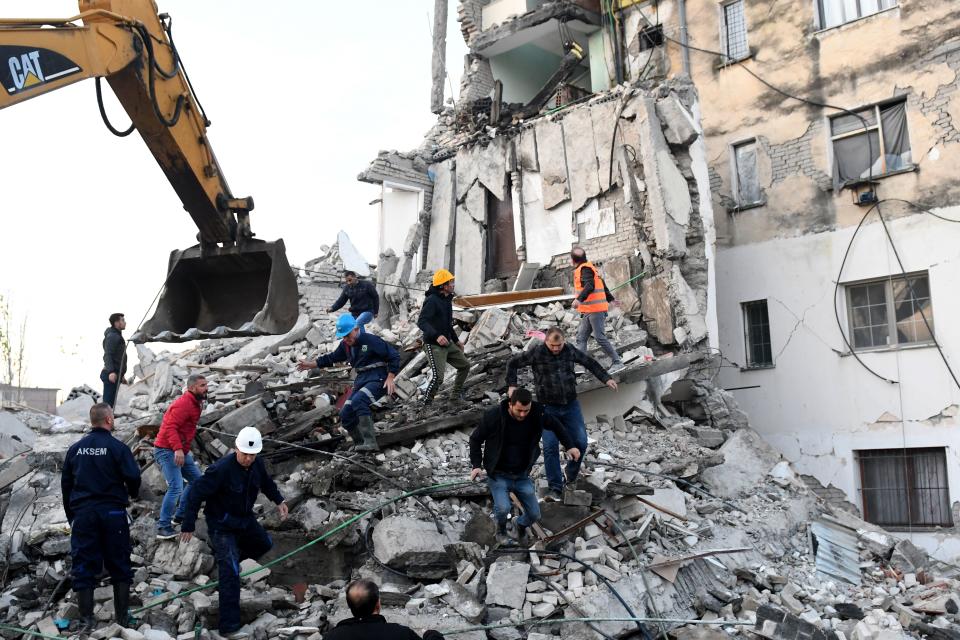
824	314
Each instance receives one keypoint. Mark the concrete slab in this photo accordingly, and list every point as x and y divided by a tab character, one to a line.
527	151
262	346
442	216
692	318
471	241
15	437
553	163
603	116
678	125
618	271
351	257
582	167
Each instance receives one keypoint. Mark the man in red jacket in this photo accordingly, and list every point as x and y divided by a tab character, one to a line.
172	453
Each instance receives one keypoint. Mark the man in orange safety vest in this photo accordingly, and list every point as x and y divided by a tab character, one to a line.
592	301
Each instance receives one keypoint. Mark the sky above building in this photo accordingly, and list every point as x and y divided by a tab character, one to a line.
301	95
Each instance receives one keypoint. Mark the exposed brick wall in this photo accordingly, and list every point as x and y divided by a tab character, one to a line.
477	81
796	157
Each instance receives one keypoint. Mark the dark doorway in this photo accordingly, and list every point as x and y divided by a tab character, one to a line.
502	259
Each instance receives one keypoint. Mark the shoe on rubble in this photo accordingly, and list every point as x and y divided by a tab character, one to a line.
616	367
166	533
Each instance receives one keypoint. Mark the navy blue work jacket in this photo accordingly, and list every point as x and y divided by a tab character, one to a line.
368	352
229	491
98	471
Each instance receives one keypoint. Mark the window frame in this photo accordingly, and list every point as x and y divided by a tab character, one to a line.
909	454
822	14
891	312
750	364
727	59
876	107
735	174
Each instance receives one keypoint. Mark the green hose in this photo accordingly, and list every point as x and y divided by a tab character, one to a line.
343	525
35	634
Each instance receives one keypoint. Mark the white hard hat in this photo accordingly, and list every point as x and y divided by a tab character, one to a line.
249	440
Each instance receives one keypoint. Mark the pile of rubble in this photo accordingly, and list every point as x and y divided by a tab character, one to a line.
682	514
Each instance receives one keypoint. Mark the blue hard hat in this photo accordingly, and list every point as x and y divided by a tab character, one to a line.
345	324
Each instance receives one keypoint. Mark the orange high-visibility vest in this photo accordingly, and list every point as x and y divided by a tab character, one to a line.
597	300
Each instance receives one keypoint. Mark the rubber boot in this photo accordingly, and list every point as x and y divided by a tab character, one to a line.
354	436
365	427
503	538
85	604
121	603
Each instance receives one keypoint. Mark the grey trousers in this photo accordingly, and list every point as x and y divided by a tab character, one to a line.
592	323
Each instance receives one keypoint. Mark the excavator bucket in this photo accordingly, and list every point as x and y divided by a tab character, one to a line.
226	293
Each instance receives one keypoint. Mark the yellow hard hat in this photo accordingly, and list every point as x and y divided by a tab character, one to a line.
441	276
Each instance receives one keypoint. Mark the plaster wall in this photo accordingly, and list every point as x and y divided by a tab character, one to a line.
523	71
817	406
399	210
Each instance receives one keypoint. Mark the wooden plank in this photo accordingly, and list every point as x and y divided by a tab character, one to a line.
413	432
506	297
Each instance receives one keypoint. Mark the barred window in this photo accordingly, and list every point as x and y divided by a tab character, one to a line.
756	329
905	487
734	30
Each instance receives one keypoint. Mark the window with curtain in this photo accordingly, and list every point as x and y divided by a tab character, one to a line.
890	312
837	12
905	487
872	143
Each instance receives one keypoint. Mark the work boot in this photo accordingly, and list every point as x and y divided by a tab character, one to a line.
354	436
85	603
523	535
121	603
365	427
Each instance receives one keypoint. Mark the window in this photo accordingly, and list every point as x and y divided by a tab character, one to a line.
734	31
905	487
651	37
835	12
745	174
756	329
885	313
882	147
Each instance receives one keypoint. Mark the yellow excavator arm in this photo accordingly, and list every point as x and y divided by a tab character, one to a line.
227	285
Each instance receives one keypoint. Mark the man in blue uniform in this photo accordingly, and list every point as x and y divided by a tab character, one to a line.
230	488
376	364
99	476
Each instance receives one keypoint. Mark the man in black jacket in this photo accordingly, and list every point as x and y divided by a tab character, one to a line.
440	341
114	358
507	444
99	476
363	598
363	297
230	488
553	363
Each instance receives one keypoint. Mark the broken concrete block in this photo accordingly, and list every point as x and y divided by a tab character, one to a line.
15	437
76	410
747	458
689	313
464	602
678	125
507	583
671	499
182	559
412	546
656	308
262	346
252	414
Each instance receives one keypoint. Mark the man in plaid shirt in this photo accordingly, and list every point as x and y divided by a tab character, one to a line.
553	364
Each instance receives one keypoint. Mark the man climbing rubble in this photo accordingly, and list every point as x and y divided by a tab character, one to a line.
506	445
172	453
363	598
376	364
440	342
229	489
363	297
99	476
553	362
592	301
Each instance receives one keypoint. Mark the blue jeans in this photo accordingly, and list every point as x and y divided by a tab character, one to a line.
501	484
100	537
176	496
364	318
592	323
109	388
571	418
231	547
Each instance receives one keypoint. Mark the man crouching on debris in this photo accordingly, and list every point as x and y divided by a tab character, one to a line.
376	364
510	438
99	474
230	488
363	598
553	364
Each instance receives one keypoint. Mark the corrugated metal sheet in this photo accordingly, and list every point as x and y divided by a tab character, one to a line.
837	555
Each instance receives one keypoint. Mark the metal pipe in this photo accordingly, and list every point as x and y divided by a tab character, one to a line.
684	42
